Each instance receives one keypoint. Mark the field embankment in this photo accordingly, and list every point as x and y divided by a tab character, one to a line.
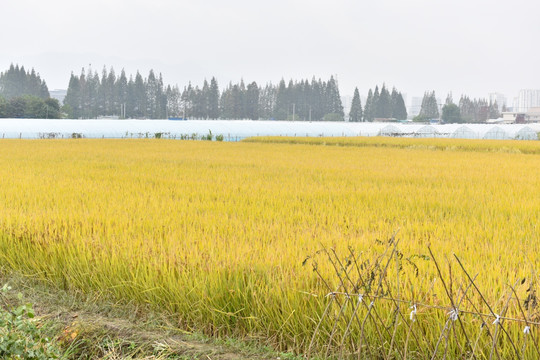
505	146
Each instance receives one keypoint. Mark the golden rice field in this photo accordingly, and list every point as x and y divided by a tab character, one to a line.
215	233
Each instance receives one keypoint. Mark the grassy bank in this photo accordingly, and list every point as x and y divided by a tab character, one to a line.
73	325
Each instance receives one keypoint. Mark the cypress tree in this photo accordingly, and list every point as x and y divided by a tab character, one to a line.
375	104
355	115
282	103
384	105
368	108
121	90
213	99
429	108
72	101
16	82
252	101
399	110
139	93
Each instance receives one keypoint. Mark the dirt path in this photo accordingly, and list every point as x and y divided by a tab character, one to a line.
93	328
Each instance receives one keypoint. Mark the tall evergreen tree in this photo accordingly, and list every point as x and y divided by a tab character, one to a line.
399	110
317	103
121	88
110	86
17	82
267	101
205	100
384	105
281	111
73	100
494	110
375	103
174	108
449	99
92	94
429	108
152	95
139	97
213	99
355	115
368	108
252	101
333	100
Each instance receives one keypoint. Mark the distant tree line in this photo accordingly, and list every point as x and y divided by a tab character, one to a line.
379	105
24	95
466	111
16	81
90	96
477	110
30	107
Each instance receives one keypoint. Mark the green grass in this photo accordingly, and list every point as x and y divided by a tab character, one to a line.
79	326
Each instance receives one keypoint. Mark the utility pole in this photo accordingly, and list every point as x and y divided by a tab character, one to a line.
293	108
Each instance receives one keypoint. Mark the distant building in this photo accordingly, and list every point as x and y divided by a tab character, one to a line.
511	117
499	98
527	99
533	115
58	95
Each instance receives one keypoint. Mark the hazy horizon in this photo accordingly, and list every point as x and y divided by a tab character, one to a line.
471	48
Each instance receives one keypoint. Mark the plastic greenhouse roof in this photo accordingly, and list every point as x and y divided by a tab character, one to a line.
238	129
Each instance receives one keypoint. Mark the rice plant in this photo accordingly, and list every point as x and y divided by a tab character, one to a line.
215	233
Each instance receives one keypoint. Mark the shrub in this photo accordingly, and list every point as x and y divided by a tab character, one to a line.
20	337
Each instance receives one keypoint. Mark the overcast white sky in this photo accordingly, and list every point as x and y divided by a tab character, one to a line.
464	46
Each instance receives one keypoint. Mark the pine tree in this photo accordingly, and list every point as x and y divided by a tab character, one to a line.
173	101
152	95
213	99
449	99
252	101
355	115
494	110
139	97
368	108
317	109
267	101
399	110
104	94
467	109
92	92
281	110
73	101
429	109
333	100
110	85
121	89
205	100
384	105
375	104
17	82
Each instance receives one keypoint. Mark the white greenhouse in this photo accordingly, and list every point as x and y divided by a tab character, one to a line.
521	132
495	133
235	130
391	130
420	131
